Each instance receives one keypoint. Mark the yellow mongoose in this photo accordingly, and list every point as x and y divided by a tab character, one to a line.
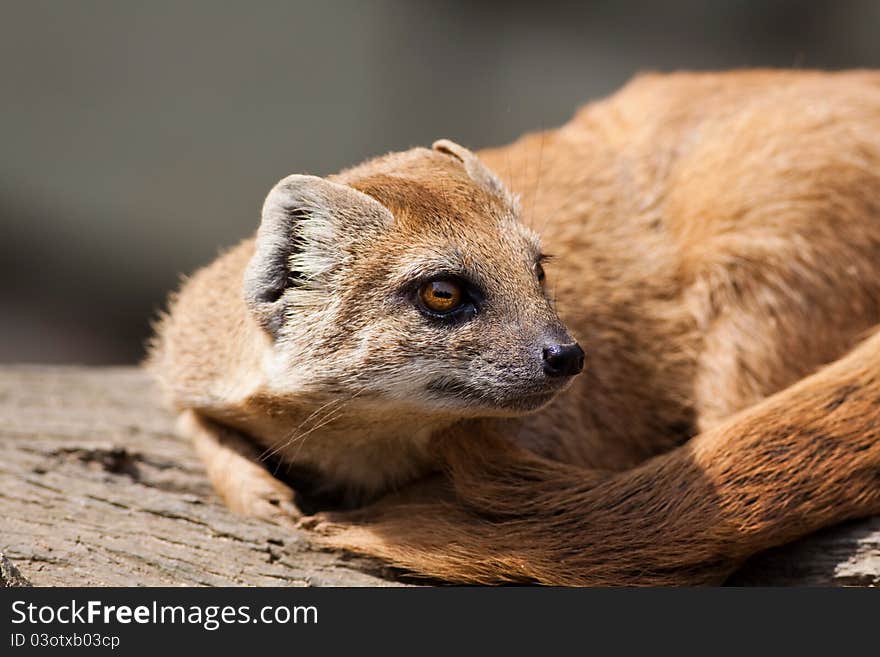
711	242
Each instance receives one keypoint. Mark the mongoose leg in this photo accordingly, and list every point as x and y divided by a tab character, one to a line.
236	473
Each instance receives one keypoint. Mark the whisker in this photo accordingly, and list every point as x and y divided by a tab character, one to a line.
293	436
538	178
329	416
271	451
559	208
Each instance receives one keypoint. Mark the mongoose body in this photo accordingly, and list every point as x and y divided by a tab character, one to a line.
709	240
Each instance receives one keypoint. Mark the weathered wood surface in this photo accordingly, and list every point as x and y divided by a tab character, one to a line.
96	490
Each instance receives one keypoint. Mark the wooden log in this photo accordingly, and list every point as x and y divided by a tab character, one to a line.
95	489
9	575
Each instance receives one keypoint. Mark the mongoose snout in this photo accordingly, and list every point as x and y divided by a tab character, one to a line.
563	359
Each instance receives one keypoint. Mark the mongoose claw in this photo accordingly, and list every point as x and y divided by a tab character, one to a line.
261	495
320	523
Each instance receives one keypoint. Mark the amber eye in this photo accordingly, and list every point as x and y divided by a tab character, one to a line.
440	296
539	270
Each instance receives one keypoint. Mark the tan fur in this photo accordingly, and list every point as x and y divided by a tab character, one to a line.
715	241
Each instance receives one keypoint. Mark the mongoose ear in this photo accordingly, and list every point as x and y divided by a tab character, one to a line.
307	223
478	171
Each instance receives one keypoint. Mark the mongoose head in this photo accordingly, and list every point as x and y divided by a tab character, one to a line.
407	282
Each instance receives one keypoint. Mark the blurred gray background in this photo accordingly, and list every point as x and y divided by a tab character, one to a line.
139	138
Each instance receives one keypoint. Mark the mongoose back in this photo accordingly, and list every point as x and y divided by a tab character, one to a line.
677	391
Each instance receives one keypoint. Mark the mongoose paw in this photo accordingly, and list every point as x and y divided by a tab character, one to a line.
260	495
324	524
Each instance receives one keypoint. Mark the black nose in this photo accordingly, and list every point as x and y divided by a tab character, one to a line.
563	359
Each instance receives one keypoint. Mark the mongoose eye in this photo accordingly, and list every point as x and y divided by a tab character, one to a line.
539	271
441	296
539	267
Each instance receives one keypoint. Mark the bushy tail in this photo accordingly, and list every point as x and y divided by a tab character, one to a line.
512	517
